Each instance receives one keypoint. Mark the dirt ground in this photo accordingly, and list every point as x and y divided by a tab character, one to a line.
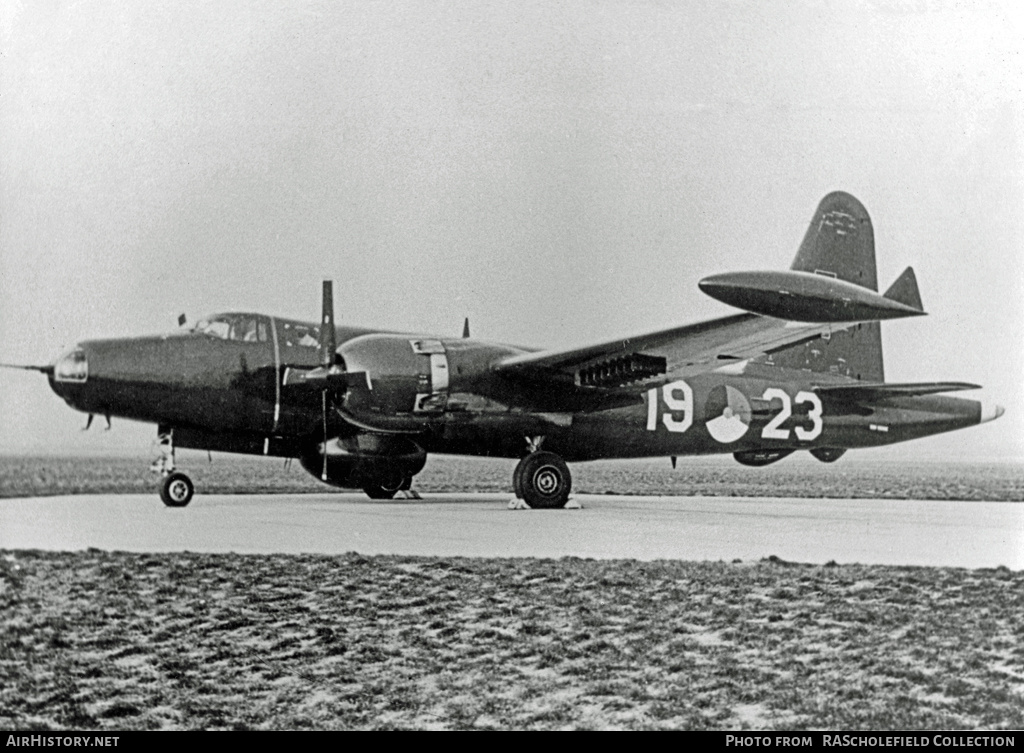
187	641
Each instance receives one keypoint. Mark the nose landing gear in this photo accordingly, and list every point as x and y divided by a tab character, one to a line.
176	489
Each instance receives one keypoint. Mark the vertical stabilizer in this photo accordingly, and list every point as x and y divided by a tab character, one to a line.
905	291
840	242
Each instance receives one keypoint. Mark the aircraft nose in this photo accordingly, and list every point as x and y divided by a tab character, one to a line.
72	366
69	374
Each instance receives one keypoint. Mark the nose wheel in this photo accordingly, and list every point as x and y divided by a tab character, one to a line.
542	480
176	489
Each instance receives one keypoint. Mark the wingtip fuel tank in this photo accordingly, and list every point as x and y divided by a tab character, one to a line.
804	297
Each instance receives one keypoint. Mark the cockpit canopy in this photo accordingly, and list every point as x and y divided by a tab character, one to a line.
240	327
255	328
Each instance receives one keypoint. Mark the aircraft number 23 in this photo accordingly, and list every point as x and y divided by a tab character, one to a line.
772	430
678	416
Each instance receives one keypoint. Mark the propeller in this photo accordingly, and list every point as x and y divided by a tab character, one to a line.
328	376
328	346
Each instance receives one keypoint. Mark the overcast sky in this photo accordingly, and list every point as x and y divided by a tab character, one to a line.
559	172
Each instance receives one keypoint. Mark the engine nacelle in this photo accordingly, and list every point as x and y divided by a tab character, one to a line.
397	371
353	462
409	378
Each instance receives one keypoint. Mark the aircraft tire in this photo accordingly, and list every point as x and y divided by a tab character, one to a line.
517	479
176	490
386	489
545	480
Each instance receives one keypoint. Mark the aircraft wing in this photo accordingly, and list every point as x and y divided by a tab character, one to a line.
783	309
680	352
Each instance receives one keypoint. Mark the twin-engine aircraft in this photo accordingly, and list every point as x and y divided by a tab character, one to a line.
800	369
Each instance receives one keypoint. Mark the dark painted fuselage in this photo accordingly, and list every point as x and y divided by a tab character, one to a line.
234	395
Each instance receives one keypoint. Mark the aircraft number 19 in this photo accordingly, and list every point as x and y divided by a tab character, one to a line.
678	399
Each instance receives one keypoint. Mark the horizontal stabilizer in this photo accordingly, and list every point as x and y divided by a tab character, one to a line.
881	391
905	291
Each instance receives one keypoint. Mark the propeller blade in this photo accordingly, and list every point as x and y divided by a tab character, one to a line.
328	344
328	371
465	328
323	472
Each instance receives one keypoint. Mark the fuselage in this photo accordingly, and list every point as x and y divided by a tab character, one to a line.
227	386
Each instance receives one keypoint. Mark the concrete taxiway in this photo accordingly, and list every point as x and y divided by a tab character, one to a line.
890	532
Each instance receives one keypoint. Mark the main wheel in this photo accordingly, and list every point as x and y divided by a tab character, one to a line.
544	480
176	490
517	479
386	488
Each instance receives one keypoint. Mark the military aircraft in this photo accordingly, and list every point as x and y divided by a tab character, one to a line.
799	369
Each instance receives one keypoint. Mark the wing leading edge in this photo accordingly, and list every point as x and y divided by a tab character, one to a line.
681	352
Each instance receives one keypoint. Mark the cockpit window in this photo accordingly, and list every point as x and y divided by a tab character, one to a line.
244	330
213	327
300	334
238	327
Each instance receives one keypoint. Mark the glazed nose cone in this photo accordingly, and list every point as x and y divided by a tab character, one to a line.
70	372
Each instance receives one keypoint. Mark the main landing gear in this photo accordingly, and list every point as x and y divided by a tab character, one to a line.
542	480
176	489
388	488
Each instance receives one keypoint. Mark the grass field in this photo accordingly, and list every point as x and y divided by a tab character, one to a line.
27	476
134	641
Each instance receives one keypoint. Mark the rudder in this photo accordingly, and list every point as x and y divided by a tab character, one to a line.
840	242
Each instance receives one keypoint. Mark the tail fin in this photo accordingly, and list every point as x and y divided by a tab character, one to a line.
905	291
840	242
